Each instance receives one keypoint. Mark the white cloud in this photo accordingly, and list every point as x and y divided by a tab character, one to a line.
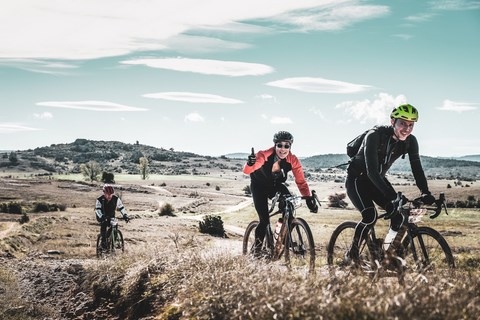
192	97
403	36
89	105
455	5
459	107
421	17
39	66
318	85
377	110
317	112
194	117
91	29
280	120
205	66
8	127
43	115
331	17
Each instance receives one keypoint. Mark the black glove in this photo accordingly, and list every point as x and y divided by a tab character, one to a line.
251	160
391	208
428	199
126	218
312	204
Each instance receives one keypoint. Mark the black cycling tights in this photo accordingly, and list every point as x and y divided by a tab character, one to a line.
261	195
364	195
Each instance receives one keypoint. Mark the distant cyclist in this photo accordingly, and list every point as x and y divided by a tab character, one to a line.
366	182
268	169
105	208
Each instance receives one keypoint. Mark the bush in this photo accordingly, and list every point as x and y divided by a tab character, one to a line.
11	207
336	200
212	225
46	207
247	190
24	218
108	177
166	210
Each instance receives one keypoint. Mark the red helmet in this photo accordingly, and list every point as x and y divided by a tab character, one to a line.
108	189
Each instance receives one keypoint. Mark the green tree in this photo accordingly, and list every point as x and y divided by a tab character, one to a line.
91	170
143	167
13	158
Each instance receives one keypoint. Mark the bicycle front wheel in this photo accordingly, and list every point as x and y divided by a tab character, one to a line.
117	243
427	251
300	247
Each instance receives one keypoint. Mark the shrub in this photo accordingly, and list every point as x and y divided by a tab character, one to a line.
336	200
11	207
247	190
166	210
212	225
108	177
24	218
217	188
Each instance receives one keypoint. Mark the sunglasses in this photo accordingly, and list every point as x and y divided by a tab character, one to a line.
285	146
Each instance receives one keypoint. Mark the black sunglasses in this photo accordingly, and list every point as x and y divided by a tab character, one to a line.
285	146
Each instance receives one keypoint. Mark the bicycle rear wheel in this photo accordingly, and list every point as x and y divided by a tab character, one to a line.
300	247
427	251
249	242
339	245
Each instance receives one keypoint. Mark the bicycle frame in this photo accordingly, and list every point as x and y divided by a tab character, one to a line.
418	247
114	239
295	240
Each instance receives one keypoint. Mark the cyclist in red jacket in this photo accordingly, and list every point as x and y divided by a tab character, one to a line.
268	169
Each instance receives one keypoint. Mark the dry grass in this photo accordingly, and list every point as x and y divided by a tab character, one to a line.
171	271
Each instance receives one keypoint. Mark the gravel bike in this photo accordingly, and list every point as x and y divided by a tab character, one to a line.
419	248
114	240
293	240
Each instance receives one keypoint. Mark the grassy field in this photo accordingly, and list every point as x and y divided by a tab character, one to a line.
172	271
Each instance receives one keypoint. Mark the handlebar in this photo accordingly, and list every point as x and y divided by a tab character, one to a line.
291	198
436	207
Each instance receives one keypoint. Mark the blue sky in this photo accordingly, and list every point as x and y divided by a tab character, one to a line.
217	77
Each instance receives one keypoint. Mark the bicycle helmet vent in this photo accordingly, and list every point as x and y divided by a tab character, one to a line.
405	112
108	189
282	136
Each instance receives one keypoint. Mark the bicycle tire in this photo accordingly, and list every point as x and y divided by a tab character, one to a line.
430	251
300	247
117	243
249	241
99	246
340	243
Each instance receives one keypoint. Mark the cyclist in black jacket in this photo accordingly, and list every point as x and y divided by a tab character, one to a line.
366	182
105	208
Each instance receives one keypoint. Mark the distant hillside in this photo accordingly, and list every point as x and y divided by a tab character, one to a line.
112	156
434	167
473	157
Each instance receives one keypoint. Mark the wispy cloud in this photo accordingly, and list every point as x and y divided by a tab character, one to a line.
377	110
90	105
403	36
459	107
48	29
318	85
192	97
330	17
205	66
421	17
43	115
455	5
280	120
316	111
8	127
39	66
194	117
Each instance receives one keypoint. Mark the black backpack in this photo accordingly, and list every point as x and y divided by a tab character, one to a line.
354	145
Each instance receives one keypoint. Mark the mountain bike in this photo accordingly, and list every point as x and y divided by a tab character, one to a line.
114	240
419	248
293	240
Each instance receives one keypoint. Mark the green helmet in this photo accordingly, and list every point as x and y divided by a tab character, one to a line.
405	112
